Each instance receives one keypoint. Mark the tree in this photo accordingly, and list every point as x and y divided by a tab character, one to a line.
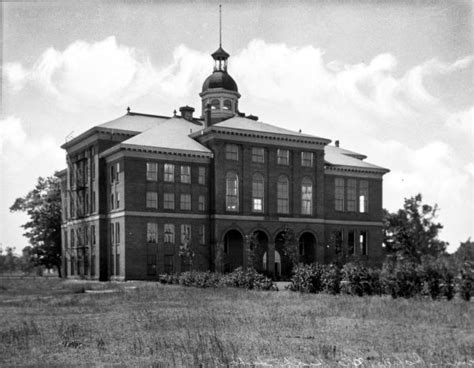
465	252
43	230
290	246
411	233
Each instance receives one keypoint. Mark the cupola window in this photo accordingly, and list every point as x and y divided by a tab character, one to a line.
215	104
227	105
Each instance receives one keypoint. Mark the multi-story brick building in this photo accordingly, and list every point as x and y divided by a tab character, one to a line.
141	188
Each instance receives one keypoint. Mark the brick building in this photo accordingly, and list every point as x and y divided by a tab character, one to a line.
143	191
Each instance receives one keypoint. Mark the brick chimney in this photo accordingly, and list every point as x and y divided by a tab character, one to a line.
187	112
336	143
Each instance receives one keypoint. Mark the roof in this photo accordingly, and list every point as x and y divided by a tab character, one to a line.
220	53
220	79
135	122
242	123
173	135
336	156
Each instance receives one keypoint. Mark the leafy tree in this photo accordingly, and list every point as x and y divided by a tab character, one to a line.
411	233
43	230
465	252
290	246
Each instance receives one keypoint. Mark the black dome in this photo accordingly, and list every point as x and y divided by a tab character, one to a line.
219	79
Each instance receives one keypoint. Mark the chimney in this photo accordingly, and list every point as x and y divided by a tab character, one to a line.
252	117
187	112
336	143
207	116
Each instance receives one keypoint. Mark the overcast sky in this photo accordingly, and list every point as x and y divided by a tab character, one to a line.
393	80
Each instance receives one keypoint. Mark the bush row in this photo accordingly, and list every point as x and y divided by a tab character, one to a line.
240	278
395	278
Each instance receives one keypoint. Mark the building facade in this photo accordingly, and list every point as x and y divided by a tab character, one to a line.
148	194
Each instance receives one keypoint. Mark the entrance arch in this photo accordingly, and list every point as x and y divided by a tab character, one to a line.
307	248
285	264
233	250
258	247
277	263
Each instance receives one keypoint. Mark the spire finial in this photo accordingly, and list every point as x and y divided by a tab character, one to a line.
220	25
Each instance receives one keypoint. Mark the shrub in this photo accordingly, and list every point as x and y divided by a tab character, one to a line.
331	279
437	280
465	281
400	279
359	280
307	278
248	279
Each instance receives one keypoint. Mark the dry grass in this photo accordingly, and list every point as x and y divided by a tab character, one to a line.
47	322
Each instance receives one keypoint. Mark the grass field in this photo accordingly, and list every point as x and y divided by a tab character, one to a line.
48	322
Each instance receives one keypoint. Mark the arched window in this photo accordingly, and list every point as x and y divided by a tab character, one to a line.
232	191
257	192
227	105
283	205
215	104
306	196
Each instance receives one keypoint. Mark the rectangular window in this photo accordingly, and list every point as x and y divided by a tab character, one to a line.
112	174
351	242
186	174
168	263
117	200
202	235
151	264
201	203
112	201
169	173
258	155
72	239
117	172
306	198
363	243
117	264
151	199
169	234
185	202
93	201
283	195
185	233
117	233
152	232
112	234
363	196
351	195
283	157
339	194
86	203
93	235
257	193
93	167
86	235
152	171
168	201
307	159
202	176
232	152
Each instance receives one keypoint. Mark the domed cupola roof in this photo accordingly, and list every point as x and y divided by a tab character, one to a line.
219	79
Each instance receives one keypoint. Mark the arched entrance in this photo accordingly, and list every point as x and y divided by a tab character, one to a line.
307	248
233	250
284	240
258	246
277	263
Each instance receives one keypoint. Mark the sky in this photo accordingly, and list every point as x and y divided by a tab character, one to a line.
390	79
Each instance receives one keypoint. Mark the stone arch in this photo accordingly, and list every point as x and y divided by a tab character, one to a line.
307	247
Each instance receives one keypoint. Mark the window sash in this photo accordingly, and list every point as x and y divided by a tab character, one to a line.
169	233
151	199
339	194
201	203
186	174
152	171
231	152
185	201
202	176
307	159
363	196
351	195
169	173
152	232
258	155
232	193
283	157
168	201
306	198
185	233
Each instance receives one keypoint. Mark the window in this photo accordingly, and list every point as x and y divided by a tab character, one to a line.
112	234
351	195
112	174
86	203
339	194
93	167
201	203
185	233
215	104
72	239
117	233
283	157
93	201
202	234
283	195
168	264
169	173
117	199
117	172
351	242
232	192
306	197
168	201
363	243
185	202
186	174
112	201
363	196
117	264
151	199
227	105
307	159
257	192
151	264
152	171
232	152
169	233
93	235
152	232
202	176
258	155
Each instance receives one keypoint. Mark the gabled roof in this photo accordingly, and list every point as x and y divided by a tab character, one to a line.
339	157
135	122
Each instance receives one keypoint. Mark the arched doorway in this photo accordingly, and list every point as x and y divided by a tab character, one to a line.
307	248
258	247
285	239
277	263
233	250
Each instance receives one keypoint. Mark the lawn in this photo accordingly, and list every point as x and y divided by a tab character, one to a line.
48	322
